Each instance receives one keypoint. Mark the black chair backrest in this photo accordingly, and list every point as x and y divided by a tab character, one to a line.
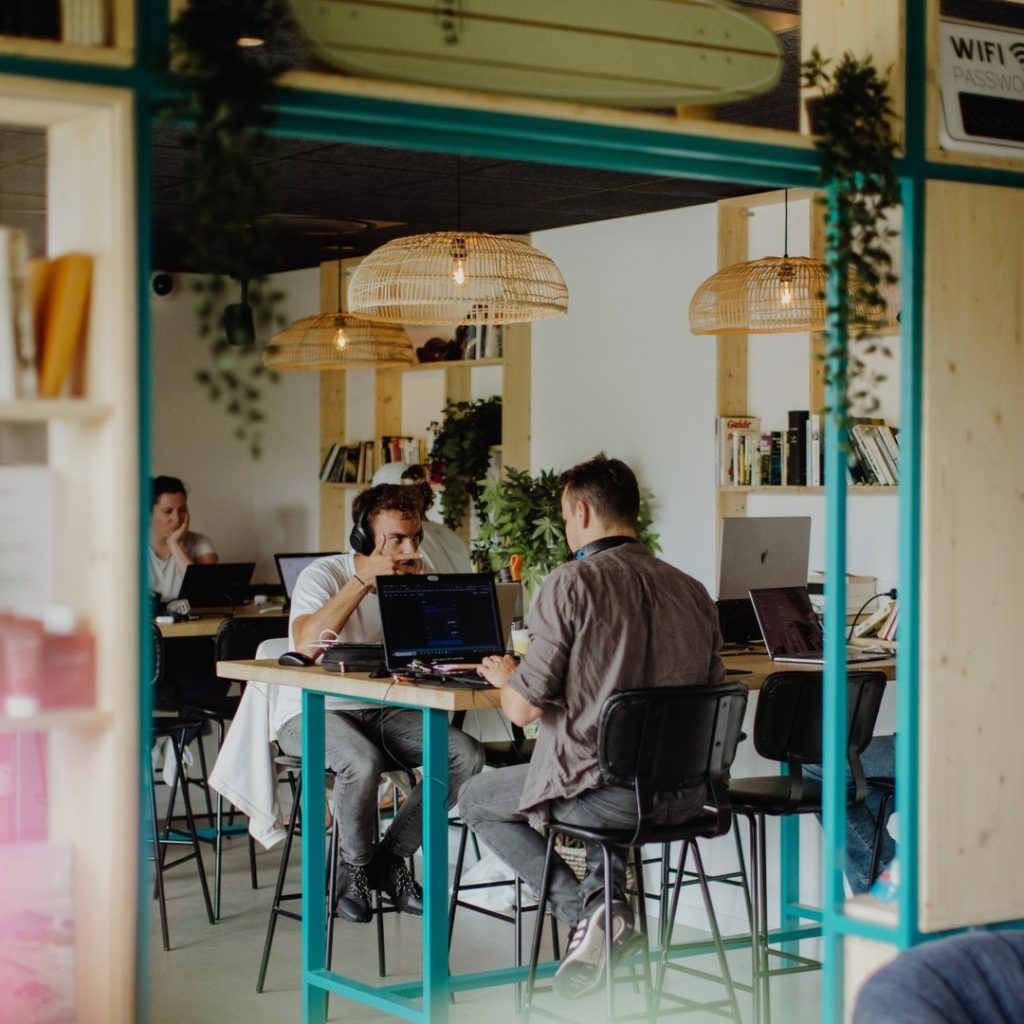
666	738
787	725
237	639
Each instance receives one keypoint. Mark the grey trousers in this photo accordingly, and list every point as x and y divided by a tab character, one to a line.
360	746
489	804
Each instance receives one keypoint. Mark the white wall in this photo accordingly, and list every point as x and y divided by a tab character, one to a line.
621	372
248	508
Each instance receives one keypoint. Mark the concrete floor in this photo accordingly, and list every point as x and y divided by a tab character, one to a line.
210	972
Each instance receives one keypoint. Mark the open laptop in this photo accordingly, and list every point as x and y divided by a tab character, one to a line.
216	586
757	552
440	620
290	565
792	632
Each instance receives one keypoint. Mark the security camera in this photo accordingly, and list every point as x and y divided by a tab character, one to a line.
162	284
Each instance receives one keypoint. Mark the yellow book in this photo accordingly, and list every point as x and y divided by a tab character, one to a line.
66	309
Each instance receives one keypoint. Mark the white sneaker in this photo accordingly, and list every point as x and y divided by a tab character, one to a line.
582	968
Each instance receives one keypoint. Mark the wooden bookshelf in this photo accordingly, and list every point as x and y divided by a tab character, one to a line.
47	410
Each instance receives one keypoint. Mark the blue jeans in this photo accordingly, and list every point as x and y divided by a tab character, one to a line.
879	758
489	805
360	746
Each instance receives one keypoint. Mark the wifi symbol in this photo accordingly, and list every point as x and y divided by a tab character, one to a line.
1017	49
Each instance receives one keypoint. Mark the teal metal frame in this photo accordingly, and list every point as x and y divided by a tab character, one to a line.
380	122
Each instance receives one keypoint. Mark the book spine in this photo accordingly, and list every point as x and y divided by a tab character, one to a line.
798	422
66	309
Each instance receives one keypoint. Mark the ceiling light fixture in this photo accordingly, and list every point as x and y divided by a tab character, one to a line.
457	277
774	295
338	341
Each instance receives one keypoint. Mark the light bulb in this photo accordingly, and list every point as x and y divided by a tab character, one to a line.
459	272
247	41
340	341
786	277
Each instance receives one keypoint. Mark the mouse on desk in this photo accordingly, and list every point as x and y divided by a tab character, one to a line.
295	658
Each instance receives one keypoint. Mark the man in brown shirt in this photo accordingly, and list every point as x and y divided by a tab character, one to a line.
614	618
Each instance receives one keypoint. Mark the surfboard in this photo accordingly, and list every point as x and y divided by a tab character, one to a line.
645	53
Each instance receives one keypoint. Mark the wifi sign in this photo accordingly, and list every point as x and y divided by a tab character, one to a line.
1017	50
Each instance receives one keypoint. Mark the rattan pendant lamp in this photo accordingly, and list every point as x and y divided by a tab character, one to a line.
457	277
338	341
771	295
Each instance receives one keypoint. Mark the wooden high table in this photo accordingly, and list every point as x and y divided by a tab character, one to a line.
208	624
426	1001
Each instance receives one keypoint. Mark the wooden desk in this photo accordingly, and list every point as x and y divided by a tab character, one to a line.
756	667
208	625
426	1001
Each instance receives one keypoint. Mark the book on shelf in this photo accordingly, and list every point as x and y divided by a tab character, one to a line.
796	447
328	461
18	376
815	470
726	444
348	463
402	448
64	320
368	461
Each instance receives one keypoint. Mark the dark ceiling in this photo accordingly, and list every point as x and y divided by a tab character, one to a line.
325	195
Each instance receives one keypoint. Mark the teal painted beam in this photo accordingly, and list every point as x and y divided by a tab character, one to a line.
314	917
833	795
71	71
381	998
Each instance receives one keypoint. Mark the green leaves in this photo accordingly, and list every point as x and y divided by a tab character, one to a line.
461	453
522	515
227	93
852	120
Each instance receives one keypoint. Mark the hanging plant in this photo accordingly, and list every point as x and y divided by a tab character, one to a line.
522	515
461	453
226	101
851	118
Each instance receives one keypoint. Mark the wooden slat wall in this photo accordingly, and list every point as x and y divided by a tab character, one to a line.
972	585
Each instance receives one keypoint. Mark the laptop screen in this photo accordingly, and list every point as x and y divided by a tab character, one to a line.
762	551
439	617
290	565
217	584
788	622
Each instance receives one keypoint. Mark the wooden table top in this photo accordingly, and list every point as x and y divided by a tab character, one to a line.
359	684
755	667
207	625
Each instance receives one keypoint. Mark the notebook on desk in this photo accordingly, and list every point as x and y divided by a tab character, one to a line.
791	630
439	620
219	585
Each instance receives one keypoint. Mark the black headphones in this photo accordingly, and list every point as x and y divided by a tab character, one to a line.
360	539
603	544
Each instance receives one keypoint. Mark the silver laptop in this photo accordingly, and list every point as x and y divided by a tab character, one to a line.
762	551
289	565
791	630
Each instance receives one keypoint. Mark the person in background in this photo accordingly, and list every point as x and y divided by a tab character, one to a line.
443	549
613	618
172	545
337	595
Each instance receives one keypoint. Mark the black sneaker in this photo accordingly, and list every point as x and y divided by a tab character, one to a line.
352	897
582	968
390	874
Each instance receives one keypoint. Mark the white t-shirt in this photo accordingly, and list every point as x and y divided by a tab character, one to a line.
443	549
316	585
164	574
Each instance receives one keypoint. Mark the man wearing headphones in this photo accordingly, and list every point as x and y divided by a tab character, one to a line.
337	595
613	618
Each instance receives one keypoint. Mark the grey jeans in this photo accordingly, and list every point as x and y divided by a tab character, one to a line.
489	804
360	746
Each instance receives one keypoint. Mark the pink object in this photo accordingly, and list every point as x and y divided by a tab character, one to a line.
68	671
21	652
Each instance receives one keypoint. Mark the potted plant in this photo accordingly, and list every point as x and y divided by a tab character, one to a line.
226	98
522	515
851	117
461	453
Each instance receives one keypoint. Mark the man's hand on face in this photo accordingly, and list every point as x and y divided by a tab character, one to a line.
397	563
496	669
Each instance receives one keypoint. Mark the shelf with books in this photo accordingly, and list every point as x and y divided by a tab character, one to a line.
853	489
87	720
45	410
